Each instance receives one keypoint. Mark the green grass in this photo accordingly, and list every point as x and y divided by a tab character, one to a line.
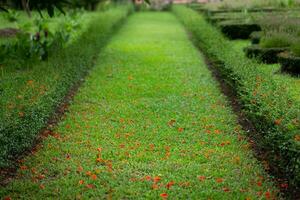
154	109
30	94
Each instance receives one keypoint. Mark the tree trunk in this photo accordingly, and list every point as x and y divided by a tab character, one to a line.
25	4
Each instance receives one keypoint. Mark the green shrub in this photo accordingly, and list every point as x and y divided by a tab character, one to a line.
295	48
11	16
266	100
276	40
30	95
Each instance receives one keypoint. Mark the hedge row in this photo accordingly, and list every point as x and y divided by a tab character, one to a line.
266	101
29	96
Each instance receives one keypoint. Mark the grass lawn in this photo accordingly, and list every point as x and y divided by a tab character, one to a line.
150	122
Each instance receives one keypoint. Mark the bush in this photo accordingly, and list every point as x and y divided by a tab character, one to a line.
255	37
295	48
30	96
238	30
266	55
276	40
265	100
289	63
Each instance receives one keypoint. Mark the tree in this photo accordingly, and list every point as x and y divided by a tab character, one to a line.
39	5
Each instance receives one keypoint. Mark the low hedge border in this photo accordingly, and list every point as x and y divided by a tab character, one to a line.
266	100
289	63
256	37
266	55
20	124
235	29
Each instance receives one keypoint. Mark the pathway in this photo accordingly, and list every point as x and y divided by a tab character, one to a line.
150	122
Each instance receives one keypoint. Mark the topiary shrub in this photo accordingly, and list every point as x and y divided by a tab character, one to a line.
266	55
238	30
289	63
256	37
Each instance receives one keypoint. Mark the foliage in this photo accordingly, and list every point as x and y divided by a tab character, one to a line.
295	48
11	15
30	95
276	40
265	100
28	5
30	46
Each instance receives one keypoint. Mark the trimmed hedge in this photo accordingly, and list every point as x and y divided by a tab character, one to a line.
256	37
29	96
266	55
235	29
266	100
289	63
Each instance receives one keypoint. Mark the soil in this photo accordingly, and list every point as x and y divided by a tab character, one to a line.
9	32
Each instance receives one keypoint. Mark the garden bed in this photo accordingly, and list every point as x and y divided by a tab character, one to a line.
266	55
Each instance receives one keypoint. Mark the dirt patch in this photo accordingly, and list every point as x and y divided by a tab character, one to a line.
9	32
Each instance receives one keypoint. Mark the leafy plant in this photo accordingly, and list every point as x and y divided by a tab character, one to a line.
11	15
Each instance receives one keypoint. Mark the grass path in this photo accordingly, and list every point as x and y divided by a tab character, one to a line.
149	123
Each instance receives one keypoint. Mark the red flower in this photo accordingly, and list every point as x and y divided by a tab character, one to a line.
42	187
259	183
170	184
219	180
94	177
277	122
148	178
23	167
156	179
99	149
201	178
164	195
90	186
284	185
180	129
155	186
268	195
79	169
88	173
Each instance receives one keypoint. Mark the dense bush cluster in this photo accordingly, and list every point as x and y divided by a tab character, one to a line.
35	41
265	100
29	96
